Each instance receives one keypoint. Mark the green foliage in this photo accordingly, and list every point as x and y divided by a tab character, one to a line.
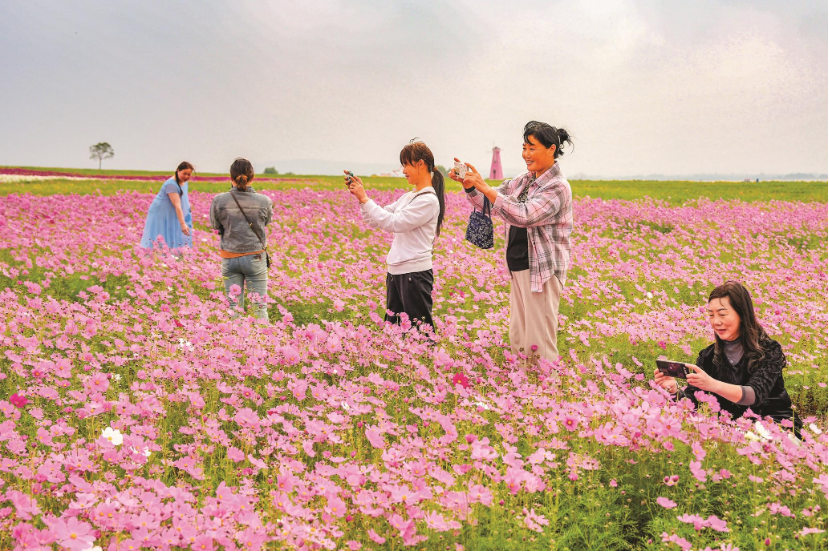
675	193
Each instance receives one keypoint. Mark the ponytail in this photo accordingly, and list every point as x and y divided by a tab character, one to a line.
437	184
241	173
418	151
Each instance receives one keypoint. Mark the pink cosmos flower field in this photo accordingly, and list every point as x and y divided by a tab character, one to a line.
135	414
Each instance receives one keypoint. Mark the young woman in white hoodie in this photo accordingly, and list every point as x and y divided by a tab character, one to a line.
415	220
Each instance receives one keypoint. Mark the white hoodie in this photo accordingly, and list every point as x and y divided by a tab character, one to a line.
414	221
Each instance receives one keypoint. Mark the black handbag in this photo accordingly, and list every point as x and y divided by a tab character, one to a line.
255	231
479	231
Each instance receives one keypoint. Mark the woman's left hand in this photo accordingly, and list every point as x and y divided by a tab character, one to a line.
699	379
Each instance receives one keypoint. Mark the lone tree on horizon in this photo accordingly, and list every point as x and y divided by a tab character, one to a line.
101	151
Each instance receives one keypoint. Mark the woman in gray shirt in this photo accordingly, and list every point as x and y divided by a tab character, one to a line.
240	216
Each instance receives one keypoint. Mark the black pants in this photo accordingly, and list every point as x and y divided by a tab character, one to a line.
410	293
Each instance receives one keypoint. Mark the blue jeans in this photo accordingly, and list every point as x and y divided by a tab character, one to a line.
253	271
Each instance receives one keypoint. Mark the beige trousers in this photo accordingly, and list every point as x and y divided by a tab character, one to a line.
533	317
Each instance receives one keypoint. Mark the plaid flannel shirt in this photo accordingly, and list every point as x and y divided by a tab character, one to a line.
547	215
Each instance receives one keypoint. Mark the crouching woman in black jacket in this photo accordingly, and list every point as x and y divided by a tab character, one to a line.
743	368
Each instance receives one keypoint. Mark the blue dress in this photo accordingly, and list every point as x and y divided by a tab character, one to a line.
162	220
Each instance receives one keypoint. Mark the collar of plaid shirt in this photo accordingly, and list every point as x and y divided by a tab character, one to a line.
528	179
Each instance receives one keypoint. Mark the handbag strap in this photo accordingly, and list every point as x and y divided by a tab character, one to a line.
250	224
487	209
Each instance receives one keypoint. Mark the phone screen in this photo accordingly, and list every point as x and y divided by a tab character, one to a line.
672	368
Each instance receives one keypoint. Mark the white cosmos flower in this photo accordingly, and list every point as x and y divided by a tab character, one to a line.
116	377
815	429
761	431
113	436
751	436
345	406
145	452
649	295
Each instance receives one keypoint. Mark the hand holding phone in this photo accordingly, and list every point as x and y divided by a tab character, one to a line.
355	186
672	368
460	169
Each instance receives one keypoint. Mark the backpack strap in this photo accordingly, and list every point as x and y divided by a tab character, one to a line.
420	194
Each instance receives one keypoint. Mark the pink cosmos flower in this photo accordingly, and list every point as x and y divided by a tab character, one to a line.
461	379
202	542
717	524
679	541
235	454
665	502
375	438
479	493
697	471
698	522
73	534
18	400
534	521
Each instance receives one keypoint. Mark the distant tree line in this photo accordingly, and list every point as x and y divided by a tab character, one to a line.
272	170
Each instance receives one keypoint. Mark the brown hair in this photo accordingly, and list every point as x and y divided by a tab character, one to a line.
752	334
184	165
241	173
418	151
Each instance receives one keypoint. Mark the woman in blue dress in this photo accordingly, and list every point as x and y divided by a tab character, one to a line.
169	216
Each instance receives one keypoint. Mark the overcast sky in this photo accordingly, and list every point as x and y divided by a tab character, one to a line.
645	87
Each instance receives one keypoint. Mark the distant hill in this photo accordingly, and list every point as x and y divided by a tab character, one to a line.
705	177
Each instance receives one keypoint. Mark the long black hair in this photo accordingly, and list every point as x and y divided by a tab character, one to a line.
547	135
416	151
752	335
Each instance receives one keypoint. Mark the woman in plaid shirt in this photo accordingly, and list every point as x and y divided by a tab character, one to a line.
537	207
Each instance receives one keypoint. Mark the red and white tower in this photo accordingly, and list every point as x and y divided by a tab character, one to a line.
496	172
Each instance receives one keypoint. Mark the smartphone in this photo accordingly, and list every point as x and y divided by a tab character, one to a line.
672	368
350	177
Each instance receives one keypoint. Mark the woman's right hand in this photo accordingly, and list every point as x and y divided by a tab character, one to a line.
665	382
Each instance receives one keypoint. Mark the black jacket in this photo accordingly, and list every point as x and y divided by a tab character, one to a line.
766	378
